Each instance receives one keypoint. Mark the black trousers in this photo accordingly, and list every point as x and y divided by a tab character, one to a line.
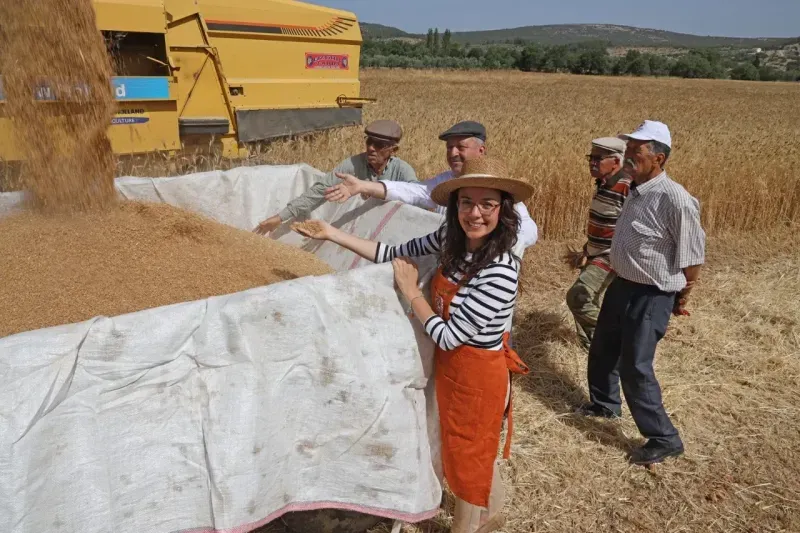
633	318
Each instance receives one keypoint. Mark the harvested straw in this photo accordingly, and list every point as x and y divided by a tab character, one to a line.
64	268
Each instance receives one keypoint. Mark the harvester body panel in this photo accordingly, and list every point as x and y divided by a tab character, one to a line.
192	71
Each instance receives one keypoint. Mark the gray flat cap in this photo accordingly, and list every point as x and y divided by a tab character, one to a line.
468	128
385	130
610	144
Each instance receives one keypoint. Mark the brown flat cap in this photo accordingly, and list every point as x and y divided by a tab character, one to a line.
613	145
386	130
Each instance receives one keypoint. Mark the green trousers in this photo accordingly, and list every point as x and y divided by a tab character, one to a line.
584	298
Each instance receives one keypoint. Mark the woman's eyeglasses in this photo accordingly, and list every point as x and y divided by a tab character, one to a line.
466	206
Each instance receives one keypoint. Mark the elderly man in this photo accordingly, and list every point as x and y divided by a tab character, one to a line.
611	189
657	252
379	161
464	140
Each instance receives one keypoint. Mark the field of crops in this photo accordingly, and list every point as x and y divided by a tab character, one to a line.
730	372
735	143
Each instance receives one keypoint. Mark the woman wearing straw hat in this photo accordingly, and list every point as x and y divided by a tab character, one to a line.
472	296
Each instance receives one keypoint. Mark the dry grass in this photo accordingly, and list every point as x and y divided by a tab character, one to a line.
730	372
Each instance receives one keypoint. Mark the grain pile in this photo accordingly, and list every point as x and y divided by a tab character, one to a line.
63	268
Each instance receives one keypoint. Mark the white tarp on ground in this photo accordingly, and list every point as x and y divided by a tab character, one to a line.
222	414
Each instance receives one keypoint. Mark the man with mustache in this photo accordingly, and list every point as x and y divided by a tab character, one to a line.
464	140
657	252
611	189
378	161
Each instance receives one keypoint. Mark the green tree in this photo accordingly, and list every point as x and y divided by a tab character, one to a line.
456	50
446	38
766	73
591	61
692	66
637	63
659	65
745	71
429	41
556	59
475	52
531	58
436	40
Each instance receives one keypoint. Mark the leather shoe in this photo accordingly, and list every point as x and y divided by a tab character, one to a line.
592	409
654	452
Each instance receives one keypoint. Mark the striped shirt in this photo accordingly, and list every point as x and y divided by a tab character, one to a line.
605	208
658	234
480	309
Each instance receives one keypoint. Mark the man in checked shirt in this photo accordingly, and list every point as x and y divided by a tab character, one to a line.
657	252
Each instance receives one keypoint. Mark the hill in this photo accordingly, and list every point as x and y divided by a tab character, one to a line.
379	31
557	34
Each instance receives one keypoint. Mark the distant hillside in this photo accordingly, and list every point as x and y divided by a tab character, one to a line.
615	35
576	33
379	31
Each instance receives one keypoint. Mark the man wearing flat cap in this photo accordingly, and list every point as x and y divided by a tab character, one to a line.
464	140
378	161
657	253
611	189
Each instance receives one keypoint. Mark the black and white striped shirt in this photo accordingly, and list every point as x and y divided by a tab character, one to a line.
658	234
480	310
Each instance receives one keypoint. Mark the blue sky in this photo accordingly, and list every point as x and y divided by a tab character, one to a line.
730	18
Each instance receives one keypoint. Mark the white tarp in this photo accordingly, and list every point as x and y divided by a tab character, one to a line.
222	414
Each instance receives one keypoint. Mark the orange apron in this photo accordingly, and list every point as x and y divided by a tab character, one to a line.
471	389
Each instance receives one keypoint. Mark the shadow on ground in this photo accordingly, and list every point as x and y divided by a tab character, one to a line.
539	336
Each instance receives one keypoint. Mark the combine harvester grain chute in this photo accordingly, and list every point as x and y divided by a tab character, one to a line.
189	72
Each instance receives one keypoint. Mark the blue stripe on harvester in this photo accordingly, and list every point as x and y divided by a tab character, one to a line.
141	88
124	89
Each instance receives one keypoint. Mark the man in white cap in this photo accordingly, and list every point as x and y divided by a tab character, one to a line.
378	161
612	185
464	140
657	252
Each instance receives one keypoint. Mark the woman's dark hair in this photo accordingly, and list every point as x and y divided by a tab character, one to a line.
454	247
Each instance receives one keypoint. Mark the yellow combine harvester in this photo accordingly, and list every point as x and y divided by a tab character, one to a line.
239	71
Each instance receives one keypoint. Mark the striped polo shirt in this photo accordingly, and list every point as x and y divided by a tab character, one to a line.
481	308
658	234
604	210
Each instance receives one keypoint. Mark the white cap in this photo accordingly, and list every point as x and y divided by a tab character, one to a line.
651	130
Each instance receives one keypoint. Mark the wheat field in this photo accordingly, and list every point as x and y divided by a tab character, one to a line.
735	144
730	372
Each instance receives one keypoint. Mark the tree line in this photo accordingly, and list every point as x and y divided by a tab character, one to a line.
439	51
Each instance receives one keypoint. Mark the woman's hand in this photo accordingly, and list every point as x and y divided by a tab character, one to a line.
314	229
406	275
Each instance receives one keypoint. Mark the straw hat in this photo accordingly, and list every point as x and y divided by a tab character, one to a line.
485	172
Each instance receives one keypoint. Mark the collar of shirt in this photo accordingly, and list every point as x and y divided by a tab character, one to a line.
644	188
385	169
611	181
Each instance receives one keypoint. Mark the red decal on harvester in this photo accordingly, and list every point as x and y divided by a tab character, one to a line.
327	61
